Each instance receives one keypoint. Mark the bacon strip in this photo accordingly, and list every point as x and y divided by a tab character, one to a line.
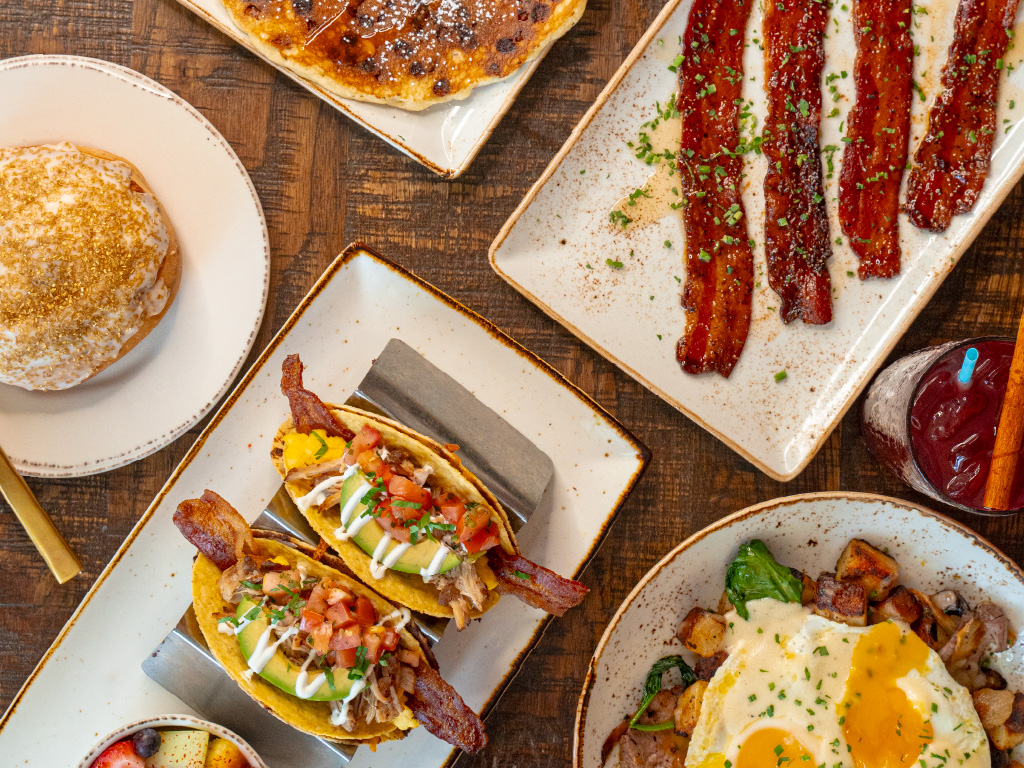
440	709
535	585
214	527
952	160
718	256
878	129
308	410
796	220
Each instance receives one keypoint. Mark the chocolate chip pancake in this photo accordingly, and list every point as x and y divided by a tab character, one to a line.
406	53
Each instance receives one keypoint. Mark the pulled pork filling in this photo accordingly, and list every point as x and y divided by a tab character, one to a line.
329	630
406	499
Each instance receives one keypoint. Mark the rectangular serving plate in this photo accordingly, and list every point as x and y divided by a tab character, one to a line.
553	250
445	138
90	681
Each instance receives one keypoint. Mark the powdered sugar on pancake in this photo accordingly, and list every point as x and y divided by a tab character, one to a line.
80	258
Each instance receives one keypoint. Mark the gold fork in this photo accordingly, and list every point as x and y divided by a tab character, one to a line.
37	524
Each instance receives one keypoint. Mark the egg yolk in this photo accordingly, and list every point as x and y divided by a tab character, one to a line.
768	747
881	725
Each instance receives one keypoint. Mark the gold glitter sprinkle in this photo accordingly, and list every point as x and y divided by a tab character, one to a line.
80	253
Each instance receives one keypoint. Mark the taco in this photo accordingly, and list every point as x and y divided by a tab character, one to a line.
316	648
403	513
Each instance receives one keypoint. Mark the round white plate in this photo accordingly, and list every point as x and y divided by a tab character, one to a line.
178	372
807	532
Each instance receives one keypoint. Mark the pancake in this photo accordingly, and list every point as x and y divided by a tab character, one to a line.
89	263
404	53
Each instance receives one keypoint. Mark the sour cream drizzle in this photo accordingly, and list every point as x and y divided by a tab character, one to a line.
377	570
317	496
400	613
265	649
339	716
346	528
435	565
303	688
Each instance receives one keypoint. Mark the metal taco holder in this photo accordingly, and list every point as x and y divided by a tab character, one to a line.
402	385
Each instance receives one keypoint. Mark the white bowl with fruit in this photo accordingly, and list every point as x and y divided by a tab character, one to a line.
173	741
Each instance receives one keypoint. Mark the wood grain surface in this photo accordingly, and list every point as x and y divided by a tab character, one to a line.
324	182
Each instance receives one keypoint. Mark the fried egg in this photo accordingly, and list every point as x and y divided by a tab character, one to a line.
800	690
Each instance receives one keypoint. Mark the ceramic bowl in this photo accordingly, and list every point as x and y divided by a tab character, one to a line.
807	532
173	721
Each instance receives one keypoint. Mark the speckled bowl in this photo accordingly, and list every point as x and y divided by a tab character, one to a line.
173	721
808	532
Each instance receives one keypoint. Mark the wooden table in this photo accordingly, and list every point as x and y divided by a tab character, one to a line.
325	182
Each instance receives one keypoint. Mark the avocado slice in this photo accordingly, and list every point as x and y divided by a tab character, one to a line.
415	558
279	670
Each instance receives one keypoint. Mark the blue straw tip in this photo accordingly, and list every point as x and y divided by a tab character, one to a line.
967	369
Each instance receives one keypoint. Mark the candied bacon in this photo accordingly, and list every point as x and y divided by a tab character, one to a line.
440	709
213	526
719	259
797	244
878	129
308	410
952	160
534	584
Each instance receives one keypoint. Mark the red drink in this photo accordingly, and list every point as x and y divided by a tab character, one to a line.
936	433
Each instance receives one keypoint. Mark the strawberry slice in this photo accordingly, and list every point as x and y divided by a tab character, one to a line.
121	754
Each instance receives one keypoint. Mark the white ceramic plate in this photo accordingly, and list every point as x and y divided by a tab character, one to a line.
338	329
807	532
633	315
179	372
445	138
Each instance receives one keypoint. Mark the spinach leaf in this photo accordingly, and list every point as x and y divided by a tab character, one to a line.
755	573
652	686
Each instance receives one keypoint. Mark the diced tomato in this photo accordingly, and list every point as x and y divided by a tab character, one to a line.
366	615
390	638
321	635
405	489
371	463
339	615
396	529
347	657
349	637
367	439
373	639
477	531
310	619
317	599
452	507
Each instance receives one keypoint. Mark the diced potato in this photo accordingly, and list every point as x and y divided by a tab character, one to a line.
994	707
224	754
967	639
869	567
688	708
810	593
1011	733
724	604
702	632
706	667
900	605
842	602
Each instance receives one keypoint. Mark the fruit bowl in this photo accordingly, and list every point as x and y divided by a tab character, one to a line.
189	752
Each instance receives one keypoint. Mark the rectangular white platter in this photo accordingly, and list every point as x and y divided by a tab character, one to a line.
632	315
90	681
445	138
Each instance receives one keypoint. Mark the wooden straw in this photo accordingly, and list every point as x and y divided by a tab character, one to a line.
1009	436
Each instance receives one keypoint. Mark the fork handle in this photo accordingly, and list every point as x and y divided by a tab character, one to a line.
37	524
